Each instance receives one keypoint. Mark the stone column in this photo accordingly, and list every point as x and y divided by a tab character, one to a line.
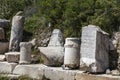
94	49
72	53
16	32
25	52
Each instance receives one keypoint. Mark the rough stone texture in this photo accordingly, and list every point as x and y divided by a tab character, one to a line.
2	57
3	47
56	38
16	32
52	56
82	76
2	34
4	23
33	70
72	53
6	67
25	52
12	56
94	49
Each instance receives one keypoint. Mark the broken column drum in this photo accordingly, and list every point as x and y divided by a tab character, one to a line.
94	49
25	52
16	32
72	53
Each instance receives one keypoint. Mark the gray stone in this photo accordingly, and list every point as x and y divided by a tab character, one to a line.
25	53
52	56
6	67
16	32
33	70
56	38
4	23
2	57
72	53
94	49
2	34
3	47
12	56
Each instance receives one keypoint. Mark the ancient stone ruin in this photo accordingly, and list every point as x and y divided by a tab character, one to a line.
16	31
94	49
53	54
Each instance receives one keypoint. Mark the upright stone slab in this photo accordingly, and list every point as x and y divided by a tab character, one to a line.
16	31
56	38
53	55
94	49
25	52
2	34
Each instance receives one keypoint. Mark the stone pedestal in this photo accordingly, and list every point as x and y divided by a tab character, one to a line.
94	49
53	55
16	32
2	34
12	56
72	53
25	52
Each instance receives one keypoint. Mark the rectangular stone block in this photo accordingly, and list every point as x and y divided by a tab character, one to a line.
6	67
2	34
94	49
12	56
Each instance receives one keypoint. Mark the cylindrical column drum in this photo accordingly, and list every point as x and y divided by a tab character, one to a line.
25	52
72	53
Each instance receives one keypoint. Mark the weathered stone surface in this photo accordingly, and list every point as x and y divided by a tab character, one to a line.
82	76
2	57
3	47
52	56
25	52
72	53
4	23
94	49
16	32
33	70
12	56
2	34
56	38
6	67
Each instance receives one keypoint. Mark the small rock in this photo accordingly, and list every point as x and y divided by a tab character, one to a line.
115	73
108	71
2	57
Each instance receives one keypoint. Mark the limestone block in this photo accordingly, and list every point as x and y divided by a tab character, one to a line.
6	67
58	73
83	76
25	52
12	56
2	57
72	53
3	47
4	23
56	38
33	70
94	49
16	32
52	56
2	34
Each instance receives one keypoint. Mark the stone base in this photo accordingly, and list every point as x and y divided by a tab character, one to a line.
12	56
6	67
42	72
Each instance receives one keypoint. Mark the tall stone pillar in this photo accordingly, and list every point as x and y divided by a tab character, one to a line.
94	49
25	53
16	31
72	53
